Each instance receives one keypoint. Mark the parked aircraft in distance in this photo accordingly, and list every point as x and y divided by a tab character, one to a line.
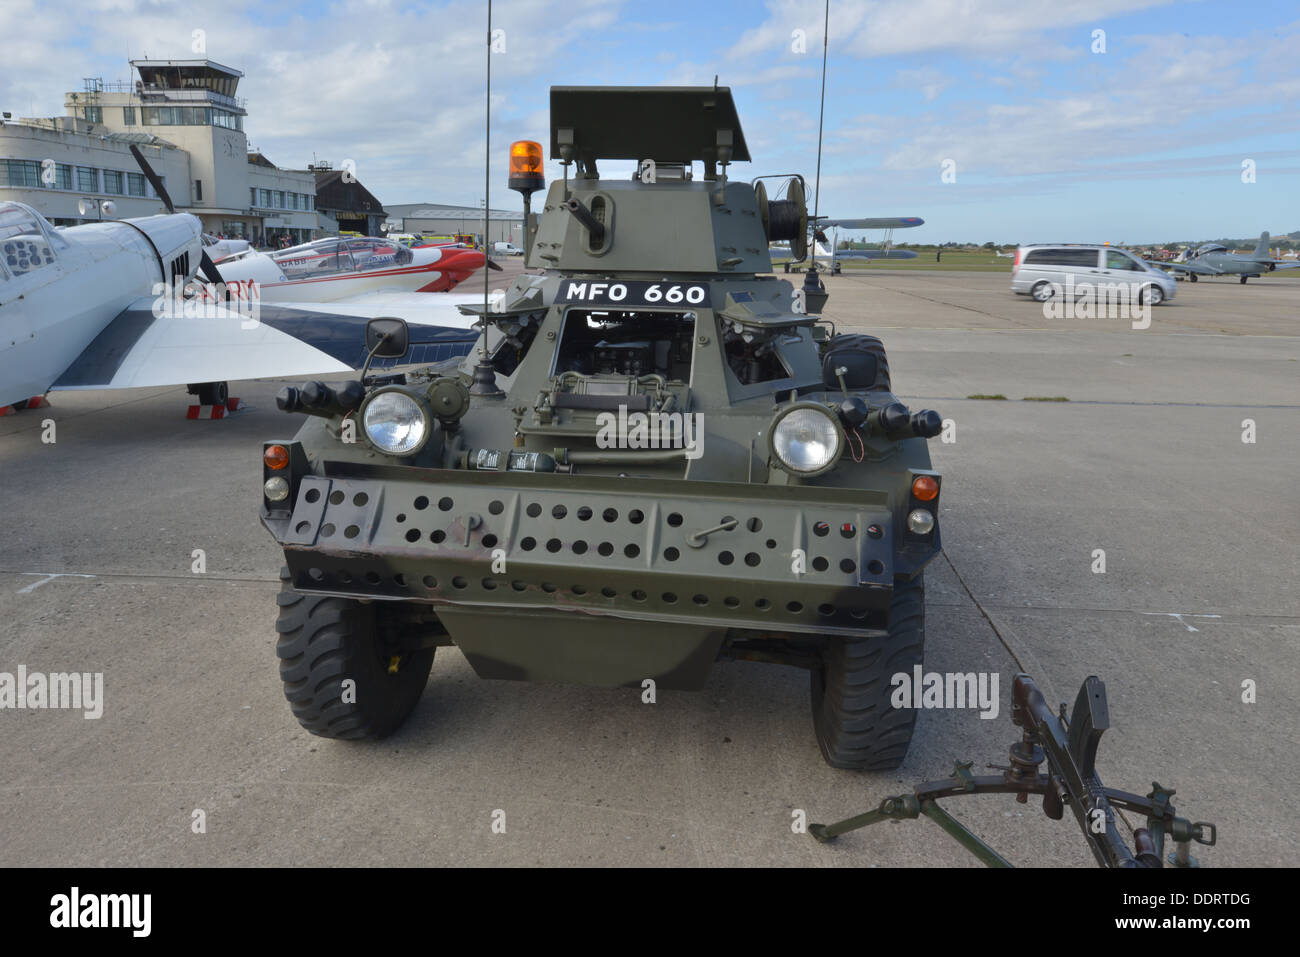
340	268
886	250
825	248
1213	259
219	248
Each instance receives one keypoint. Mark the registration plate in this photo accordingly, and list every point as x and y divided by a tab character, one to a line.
633	294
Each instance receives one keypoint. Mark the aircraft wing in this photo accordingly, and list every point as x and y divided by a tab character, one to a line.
140	349
875	254
882	222
422	308
1199	268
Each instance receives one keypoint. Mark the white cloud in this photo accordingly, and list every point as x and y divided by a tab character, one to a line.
397	88
892	27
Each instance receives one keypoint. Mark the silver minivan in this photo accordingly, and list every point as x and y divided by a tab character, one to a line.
1048	270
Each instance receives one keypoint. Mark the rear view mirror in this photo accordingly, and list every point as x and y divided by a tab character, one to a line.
387	338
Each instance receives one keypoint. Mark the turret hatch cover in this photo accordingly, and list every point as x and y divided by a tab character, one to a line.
664	123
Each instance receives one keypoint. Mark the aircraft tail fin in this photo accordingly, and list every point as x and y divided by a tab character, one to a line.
1261	250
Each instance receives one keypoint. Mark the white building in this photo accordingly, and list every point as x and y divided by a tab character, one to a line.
189	123
66	168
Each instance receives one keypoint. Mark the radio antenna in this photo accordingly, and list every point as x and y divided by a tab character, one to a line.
484	381
814	291
487	175
821	115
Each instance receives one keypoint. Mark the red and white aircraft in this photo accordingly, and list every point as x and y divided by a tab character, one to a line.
330	270
92	307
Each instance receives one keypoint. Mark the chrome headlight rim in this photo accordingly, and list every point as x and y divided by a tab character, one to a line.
416	399
808	405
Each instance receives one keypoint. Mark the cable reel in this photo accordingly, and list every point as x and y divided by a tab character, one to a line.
785	220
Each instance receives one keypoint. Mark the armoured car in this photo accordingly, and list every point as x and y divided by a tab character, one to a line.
658	456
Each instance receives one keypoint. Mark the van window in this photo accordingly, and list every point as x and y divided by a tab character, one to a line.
1062	257
1118	260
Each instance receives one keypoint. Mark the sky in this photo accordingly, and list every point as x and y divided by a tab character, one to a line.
1126	121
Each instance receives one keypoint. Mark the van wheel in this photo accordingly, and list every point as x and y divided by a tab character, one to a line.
1243	280
857	727
1151	294
1042	291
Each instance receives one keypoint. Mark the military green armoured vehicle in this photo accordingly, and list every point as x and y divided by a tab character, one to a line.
656	457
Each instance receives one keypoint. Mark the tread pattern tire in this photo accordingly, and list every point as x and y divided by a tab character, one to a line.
325	640
857	727
213	393
871	345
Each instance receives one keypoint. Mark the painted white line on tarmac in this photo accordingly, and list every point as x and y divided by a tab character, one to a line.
48	577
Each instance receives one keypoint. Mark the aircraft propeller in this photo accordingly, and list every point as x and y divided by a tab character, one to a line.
206	265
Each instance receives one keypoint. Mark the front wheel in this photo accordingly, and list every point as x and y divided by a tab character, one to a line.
213	393
341	677
857	727
1042	291
1153	295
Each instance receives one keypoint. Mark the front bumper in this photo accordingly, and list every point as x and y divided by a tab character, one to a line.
800	559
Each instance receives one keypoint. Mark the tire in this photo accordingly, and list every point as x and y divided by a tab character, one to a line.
862	343
1152	294
324	641
856	726
1192	277
1042	291
1243	280
213	393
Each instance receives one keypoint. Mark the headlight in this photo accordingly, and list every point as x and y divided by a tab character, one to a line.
395	422
276	489
920	521
806	439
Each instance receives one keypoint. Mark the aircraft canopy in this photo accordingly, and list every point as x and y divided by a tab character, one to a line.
27	242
